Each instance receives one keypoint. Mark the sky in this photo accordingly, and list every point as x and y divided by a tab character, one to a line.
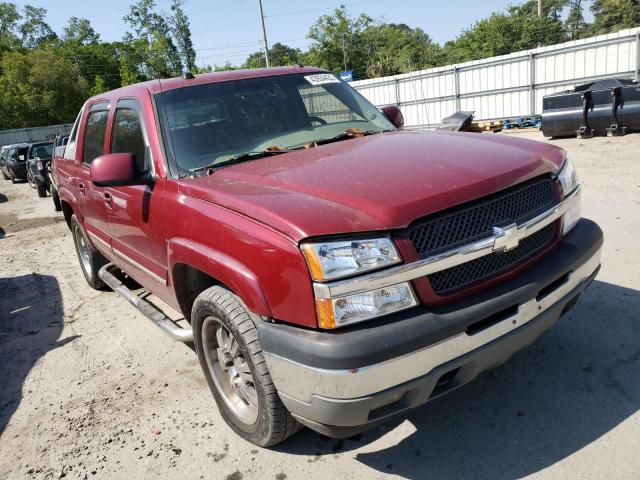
229	30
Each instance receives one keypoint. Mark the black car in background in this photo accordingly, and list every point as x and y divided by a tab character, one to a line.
13	161
38	160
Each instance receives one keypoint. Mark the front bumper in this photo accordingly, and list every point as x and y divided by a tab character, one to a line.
341	383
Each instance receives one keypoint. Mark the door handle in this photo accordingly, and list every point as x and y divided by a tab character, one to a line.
81	188
108	200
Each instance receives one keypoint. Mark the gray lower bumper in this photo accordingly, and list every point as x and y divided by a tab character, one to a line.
345	402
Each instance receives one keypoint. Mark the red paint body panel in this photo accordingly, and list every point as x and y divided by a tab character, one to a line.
374	183
243	224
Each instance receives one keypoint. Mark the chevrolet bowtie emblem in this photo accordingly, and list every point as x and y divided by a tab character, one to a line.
508	238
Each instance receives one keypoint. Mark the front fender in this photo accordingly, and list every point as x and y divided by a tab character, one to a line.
66	195
224	268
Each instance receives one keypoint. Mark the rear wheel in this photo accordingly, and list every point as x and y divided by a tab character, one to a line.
233	363
90	259
42	189
56	200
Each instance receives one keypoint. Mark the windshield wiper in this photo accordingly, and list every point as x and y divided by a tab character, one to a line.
349	133
240	158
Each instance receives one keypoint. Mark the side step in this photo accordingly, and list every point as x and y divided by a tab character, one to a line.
148	310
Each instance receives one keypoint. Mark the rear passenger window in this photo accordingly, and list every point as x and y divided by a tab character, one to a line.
128	137
95	132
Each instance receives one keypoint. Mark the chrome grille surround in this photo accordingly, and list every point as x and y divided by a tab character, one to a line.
501	240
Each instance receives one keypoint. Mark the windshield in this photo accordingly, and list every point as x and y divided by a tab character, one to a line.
42	151
207	125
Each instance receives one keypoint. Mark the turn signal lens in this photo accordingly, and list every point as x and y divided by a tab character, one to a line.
338	312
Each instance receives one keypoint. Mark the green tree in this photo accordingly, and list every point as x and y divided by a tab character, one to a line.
614	15
519	28
397	48
575	22
220	68
39	88
182	33
34	29
9	17
337	41
80	31
81	45
152	41
99	86
279	55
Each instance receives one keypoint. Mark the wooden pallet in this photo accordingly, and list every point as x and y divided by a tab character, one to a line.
493	126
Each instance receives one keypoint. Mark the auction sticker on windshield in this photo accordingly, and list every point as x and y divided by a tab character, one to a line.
321	78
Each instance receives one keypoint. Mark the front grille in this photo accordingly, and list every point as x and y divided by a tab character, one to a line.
475	220
446	281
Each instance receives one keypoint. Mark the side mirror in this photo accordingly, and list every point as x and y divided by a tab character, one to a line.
117	170
394	115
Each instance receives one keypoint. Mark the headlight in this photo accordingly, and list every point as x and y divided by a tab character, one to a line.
338	312
331	260
568	177
569	180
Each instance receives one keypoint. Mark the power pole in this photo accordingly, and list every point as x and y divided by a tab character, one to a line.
539	8
264	34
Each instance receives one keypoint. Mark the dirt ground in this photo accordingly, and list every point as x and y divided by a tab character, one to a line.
89	388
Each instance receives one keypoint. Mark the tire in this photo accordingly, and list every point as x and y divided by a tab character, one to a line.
13	179
56	200
262	419
30	180
42	189
90	259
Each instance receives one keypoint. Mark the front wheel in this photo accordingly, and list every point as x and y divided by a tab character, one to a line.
90	259
233	363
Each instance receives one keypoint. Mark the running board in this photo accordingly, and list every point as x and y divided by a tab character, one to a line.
152	313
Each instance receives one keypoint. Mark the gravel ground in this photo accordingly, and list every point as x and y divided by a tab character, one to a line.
89	388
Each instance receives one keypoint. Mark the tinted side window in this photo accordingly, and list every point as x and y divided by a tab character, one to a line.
128	137
95	132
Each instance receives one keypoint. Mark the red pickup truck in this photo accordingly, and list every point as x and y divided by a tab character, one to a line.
336	271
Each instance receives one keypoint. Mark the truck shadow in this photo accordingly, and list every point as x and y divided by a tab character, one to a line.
576	383
31	321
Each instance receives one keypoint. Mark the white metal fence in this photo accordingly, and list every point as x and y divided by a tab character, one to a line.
507	86
30	135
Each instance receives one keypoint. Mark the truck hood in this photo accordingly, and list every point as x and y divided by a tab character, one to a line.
375	183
